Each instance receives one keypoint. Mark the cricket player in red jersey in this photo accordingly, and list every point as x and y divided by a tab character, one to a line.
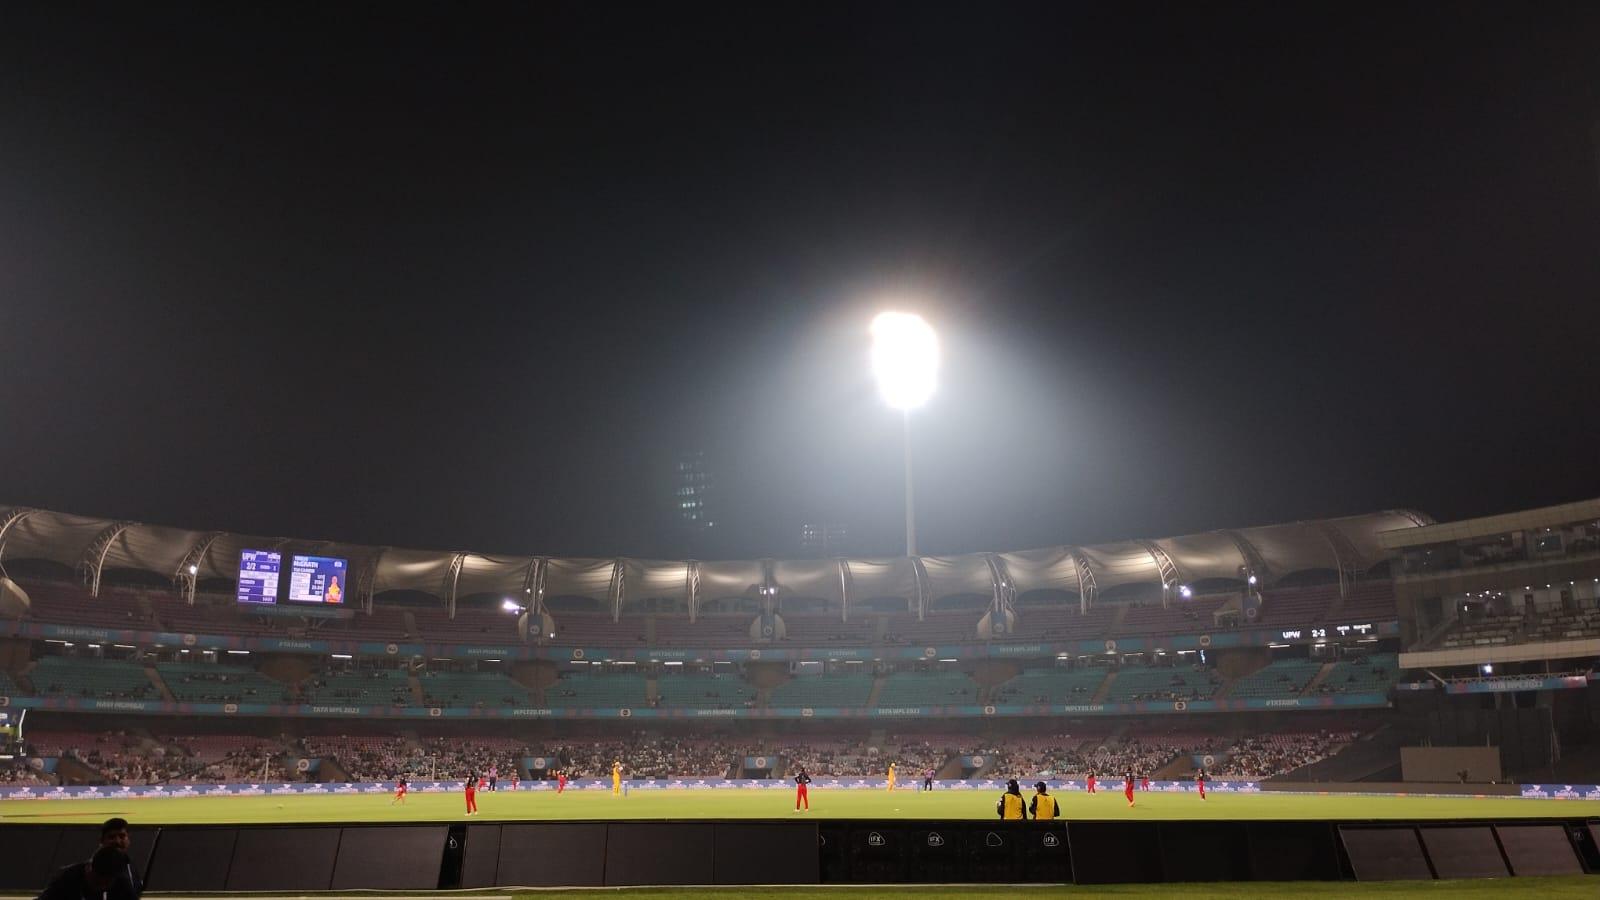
1144	783
800	793
472	794
561	781
515	779
1090	782
399	791
1200	780
1127	787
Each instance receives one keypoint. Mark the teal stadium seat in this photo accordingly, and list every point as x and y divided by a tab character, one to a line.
473	689
1138	683
822	692
928	689
374	687
104	678
205	683
597	691
699	691
1281	679
1374	674
1051	686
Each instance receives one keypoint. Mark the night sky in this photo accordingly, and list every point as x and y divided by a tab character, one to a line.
469	276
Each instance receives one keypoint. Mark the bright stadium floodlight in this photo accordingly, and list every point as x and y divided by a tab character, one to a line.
511	606
905	358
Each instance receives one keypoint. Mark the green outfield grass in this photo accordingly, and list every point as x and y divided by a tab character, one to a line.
769	804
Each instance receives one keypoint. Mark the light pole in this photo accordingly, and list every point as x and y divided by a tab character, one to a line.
905	360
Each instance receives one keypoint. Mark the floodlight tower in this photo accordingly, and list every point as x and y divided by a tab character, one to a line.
905	360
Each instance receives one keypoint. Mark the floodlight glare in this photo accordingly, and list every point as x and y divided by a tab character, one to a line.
905	358
511	606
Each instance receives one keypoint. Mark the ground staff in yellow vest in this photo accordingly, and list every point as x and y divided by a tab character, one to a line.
1010	805
1043	806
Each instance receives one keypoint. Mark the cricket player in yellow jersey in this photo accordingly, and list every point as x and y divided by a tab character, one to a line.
891	776
616	777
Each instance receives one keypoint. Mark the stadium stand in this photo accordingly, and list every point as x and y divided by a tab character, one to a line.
1050	685
1483	633
709	631
470	624
82	677
1362	675
703	691
1183	616
603	691
9	688
387	687
822	691
1135	683
927	689
1280	678
204	682
477	689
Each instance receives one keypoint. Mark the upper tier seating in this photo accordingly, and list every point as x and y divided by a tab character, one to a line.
928	689
472	689
710	631
703	691
597	630
1050	686
1182	617
1281	678
471	625
204	682
103	678
379	687
599	691
1136	683
822	691
1484	633
71	604
1375	674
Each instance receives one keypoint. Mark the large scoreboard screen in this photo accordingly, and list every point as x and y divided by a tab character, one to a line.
318	579
258	576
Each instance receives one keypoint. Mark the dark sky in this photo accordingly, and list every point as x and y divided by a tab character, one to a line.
469	275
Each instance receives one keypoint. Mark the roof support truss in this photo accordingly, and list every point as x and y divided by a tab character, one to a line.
452	578
12	518
1254	564
188	575
1088	593
1168	570
616	590
1004	589
94	560
1346	558
691	588
919	595
844	590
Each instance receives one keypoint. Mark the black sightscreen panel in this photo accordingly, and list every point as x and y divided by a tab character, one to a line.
394	858
1204	851
191	859
79	842
1292	851
284	859
659	853
765	854
1385	854
1114	852
481	858
26	856
1539	850
551	855
1464	852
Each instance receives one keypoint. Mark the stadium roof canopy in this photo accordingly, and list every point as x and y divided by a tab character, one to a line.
1348	546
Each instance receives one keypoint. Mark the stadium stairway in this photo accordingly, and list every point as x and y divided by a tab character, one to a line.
877	688
1320	677
1104	690
159	683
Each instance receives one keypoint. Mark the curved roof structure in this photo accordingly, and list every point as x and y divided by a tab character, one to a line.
1347	545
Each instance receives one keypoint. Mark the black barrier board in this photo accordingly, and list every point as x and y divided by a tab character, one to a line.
1292	851
1465	851
285	859
389	858
765	854
192	859
993	853
935	854
1385	853
658	853
1114	852
481	856
1539	850
1204	851
26	856
876	854
1046	856
551	855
